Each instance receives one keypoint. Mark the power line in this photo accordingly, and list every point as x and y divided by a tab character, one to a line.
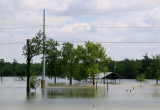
99	26
114	42
92	10
17	11
130	42
19	27
73	10
12	43
69	26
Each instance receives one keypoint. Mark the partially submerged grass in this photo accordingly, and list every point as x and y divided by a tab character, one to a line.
67	85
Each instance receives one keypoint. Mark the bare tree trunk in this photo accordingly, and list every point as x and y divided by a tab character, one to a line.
2	75
157	81
93	79
70	82
55	80
70	78
28	77
104	78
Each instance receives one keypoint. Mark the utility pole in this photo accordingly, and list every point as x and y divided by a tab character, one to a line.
43	70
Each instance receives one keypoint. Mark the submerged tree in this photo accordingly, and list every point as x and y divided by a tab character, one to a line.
31	49
14	64
94	55
69	60
81	72
34	82
155	67
53	59
2	68
140	78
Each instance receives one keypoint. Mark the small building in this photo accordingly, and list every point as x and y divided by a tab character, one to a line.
113	76
109	75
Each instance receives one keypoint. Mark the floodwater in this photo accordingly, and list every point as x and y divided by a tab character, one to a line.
118	97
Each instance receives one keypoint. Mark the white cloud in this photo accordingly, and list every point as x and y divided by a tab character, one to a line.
24	14
133	4
75	28
102	4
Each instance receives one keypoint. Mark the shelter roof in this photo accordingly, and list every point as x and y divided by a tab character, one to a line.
113	76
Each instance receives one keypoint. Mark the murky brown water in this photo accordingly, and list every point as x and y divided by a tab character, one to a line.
147	97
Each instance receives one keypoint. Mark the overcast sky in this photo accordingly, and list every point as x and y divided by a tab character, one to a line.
104	21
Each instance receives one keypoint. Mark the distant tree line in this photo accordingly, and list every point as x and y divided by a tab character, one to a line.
130	69
18	69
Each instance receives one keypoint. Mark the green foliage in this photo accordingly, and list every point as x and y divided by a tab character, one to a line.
146	62
140	77
36	68
2	64
35	44
33	48
154	67
81	72
7	69
21	71
104	64
94	55
128	68
69	60
111	65
53	59
34	82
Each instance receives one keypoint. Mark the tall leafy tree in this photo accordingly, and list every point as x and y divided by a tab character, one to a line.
53	58
69	60
31	49
81	72
94	53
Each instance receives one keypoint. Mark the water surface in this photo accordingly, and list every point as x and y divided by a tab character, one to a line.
118	97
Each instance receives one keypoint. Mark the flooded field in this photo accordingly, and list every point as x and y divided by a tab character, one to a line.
118	97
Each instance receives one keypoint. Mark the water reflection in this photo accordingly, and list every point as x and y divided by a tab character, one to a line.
156	93
32	95
69	92
43	92
146	97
